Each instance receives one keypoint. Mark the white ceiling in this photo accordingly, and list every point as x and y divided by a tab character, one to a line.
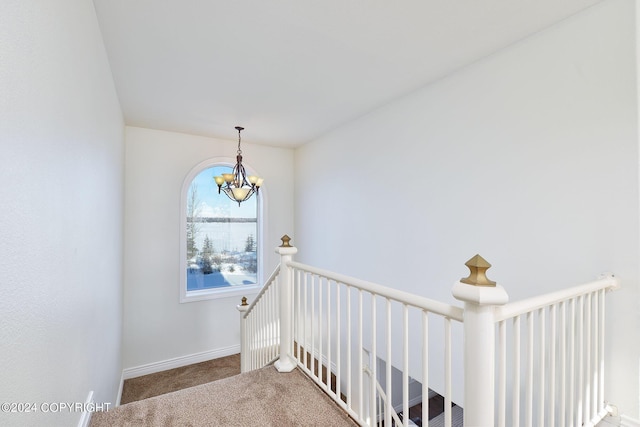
289	71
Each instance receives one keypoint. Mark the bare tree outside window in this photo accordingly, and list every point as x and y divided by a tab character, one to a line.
192	224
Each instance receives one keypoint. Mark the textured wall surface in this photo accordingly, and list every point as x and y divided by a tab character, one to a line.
61	186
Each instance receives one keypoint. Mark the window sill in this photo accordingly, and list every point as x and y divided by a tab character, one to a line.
219	293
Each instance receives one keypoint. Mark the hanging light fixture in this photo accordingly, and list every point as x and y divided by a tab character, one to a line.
237	185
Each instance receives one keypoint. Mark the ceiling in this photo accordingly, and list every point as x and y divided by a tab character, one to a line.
290	71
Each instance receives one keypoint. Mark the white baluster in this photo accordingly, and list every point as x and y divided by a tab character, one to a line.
588	413
529	378
328	378
298	321
313	323
572	368
542	368
597	405
447	374
273	339
373	360
405	365
563	364
387	409
515	403
305	341
360	362
425	368
552	366
320	328
502	375
601	350
581	350
338	343
349	362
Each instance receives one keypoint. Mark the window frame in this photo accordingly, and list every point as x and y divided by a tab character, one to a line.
227	292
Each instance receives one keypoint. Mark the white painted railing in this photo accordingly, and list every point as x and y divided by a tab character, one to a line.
532	362
260	326
551	358
337	317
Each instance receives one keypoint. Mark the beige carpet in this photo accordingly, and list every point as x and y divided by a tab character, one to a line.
176	379
260	398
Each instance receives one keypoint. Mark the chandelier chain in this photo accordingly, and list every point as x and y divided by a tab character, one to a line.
239	139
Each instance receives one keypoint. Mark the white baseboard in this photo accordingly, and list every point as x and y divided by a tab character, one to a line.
85	417
178	362
619	421
629	422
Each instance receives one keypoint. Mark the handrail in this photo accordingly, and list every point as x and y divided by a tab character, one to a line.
517	308
267	283
437	307
305	306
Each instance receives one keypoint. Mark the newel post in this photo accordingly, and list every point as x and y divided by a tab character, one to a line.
480	296
244	345
286	361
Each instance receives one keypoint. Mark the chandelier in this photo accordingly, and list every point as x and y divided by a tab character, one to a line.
237	185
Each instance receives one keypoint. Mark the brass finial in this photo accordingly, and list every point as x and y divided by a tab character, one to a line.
478	267
244	301
285	241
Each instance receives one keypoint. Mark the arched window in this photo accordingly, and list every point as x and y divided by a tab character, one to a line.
220	241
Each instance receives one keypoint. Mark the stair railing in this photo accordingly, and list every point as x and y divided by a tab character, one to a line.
260	326
331	326
556	391
333	319
339	319
551	357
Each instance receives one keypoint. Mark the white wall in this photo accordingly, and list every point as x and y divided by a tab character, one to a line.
528	157
61	175
156	326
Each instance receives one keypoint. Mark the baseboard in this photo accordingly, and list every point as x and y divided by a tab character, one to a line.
178	362
85	417
629	422
619	421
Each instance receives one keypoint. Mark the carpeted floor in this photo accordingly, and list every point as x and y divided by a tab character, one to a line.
163	411
261	398
179	378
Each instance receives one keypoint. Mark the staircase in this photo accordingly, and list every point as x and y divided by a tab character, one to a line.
533	362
